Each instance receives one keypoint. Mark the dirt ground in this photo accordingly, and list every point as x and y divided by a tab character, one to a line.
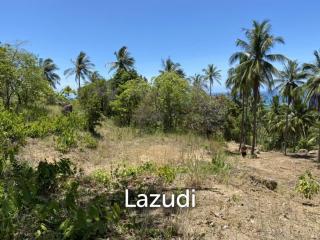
243	209
237	209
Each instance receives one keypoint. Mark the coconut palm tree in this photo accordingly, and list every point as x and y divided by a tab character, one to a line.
49	68
290	78
260	70
197	81
313	88
211	74
238	82
298	123
169	66
123	60
67	91
81	68
94	76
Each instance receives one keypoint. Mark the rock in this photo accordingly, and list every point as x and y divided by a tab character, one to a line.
313	152
268	183
67	109
303	151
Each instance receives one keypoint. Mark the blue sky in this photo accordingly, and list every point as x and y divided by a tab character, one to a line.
193	33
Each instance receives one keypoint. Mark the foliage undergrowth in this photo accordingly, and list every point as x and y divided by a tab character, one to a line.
307	185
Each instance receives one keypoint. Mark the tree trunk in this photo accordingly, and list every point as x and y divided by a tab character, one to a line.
79	84
254	134
210	87
242	123
319	146
319	131
286	131
245	122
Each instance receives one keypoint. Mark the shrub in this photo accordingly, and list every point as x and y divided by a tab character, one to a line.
305	143
219	165
66	141
167	173
12	134
101	176
307	185
40	128
48	174
89	141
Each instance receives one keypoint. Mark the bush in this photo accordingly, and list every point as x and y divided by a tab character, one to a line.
304	143
307	185
167	173
101	176
66	141
40	128
89	141
12	135
48	174
219	165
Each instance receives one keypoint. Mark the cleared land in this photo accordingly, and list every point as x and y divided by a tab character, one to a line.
233	207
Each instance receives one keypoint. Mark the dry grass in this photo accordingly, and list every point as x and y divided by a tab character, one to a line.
237	210
125	146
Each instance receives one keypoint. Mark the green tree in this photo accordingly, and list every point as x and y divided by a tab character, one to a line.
257	48
211	74
290	78
132	92
120	78
93	100
313	88
172	99
206	115
81	68
169	66
7	74
21	78
49	69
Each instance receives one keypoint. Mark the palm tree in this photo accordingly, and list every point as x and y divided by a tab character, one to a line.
67	91
123	60
238	82
81	68
48	69
169	66
197	81
313	88
212	73
259	66
94	76
299	121
290	78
